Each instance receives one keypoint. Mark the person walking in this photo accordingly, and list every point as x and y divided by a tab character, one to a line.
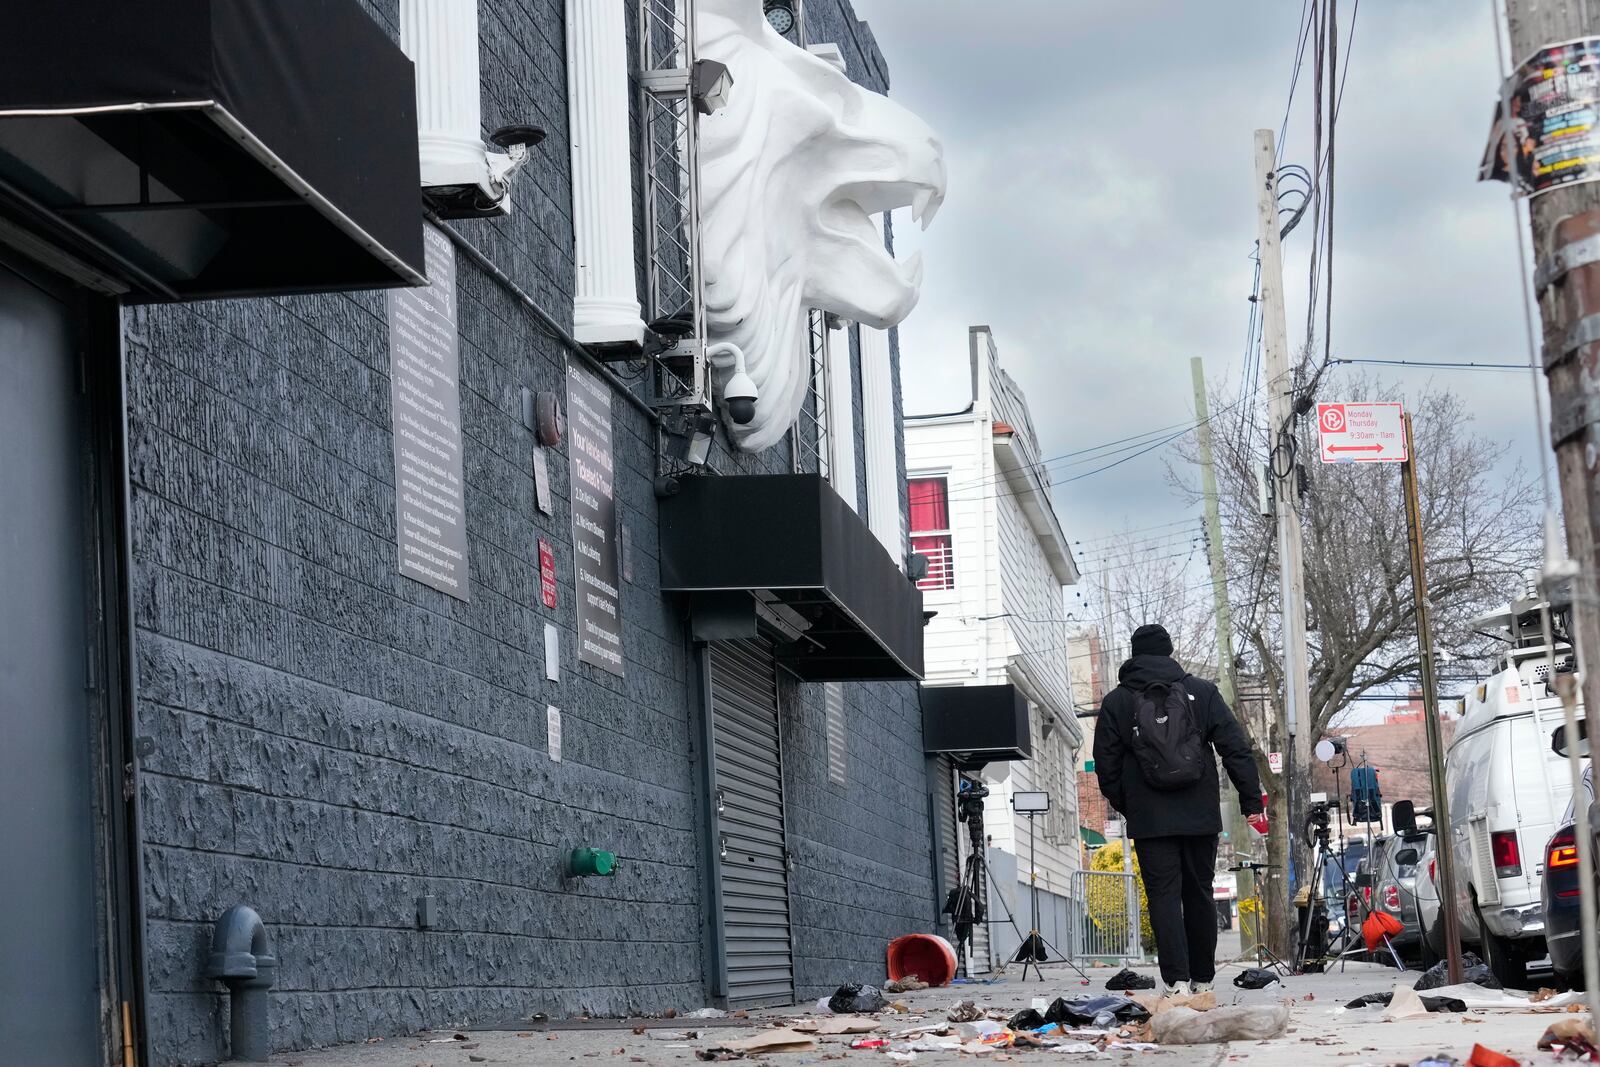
1155	749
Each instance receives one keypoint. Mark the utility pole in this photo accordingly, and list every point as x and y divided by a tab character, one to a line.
1239	832
1565	224
1430	707
1282	463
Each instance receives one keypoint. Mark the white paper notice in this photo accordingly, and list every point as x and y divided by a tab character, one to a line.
553	719
552	652
541	480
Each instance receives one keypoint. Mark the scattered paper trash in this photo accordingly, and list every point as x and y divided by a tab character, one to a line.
780	1040
1574	1034
1433	1004
1238	1022
902	1055
1404	1003
705	1013
835	1026
1473	972
853	998
668	1035
1129	979
1255	978
1076	1048
964	1012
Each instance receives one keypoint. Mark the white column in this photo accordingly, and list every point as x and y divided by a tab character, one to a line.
877	416
842	417
605	307
441	37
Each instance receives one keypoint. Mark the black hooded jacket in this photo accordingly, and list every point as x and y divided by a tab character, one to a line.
1196	809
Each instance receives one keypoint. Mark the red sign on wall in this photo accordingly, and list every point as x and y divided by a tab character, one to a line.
547	573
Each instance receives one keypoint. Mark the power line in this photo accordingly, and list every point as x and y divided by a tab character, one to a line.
1439	365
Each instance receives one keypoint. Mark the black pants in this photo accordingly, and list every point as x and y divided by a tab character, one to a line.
1177	884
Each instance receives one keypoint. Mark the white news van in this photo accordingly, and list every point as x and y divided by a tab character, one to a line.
1507	790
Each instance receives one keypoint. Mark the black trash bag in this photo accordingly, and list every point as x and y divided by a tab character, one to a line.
1473	970
1255	978
1127	979
1026	1019
1381	1000
855	999
1096	1011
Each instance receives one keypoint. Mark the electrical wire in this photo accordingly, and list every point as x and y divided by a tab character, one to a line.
1440	365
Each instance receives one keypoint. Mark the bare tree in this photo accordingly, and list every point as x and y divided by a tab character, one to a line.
1153	580
1481	529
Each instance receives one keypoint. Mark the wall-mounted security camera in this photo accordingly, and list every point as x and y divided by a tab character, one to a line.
739	394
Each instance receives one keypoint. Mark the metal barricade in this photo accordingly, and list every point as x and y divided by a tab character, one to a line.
1106	916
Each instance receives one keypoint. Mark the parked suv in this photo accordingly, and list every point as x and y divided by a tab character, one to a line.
1561	890
1395	858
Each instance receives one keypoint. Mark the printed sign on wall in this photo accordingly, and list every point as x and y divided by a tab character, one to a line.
594	520
425	419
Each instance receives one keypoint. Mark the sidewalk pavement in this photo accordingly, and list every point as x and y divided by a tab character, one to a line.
1317	1034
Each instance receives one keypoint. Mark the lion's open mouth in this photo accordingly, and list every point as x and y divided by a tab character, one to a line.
849	213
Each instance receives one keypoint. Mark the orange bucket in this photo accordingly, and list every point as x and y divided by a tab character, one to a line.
928	956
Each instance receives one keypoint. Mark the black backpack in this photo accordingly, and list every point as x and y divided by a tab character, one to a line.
1166	738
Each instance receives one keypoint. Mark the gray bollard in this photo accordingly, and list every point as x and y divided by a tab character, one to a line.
241	958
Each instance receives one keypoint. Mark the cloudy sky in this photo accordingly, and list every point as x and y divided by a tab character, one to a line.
1101	211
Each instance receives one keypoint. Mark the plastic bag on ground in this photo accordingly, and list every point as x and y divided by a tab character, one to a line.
1255	978
1473	972
1026	1019
1096	1011
1433	1004
855	999
1238	1022
1129	979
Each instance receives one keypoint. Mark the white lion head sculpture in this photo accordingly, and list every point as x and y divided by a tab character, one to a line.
792	172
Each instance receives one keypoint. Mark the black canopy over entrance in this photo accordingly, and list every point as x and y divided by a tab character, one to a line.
786	547
175	149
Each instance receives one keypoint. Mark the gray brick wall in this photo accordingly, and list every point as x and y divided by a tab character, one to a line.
333	740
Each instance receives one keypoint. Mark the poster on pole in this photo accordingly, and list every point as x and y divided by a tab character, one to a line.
1546	133
425	423
594	520
1361	433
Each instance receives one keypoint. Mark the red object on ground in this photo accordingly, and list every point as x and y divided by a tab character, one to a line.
1488	1057
1377	925
928	956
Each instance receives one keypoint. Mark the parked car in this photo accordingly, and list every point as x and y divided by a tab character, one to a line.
1433	943
1506	791
1394	887
1561	892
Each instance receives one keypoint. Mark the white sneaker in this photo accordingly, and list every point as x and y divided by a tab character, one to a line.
1173	990
1196	988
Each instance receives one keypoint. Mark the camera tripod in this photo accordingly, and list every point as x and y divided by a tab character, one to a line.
966	903
1312	944
1259	950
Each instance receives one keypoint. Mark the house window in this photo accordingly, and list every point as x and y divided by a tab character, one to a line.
930	531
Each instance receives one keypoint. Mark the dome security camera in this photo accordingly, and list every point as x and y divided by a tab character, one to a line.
740	395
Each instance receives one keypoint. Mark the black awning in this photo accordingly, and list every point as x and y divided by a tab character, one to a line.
978	723
791	542
196	148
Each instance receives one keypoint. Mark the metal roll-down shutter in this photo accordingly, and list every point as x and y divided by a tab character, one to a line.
755	857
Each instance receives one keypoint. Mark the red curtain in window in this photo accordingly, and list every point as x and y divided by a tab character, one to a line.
930	506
